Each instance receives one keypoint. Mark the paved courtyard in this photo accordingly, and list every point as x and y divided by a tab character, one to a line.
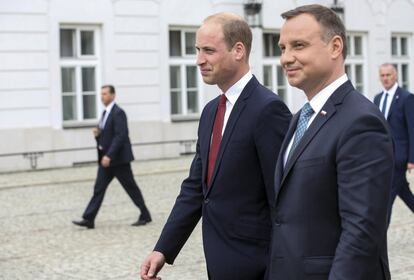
38	240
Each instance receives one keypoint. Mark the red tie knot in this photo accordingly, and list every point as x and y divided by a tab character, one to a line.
223	99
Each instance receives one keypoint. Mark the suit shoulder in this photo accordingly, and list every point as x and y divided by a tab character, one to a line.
208	107
359	105
404	93
378	95
266	95
118	109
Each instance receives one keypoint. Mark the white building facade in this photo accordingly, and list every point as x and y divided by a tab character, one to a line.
56	54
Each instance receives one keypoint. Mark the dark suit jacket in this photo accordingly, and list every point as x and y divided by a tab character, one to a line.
113	140
330	212
401	121
236	207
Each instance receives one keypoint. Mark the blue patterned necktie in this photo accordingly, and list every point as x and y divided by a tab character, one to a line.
305	115
384	105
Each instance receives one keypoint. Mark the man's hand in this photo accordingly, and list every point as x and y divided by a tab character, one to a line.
410	166
96	132
105	161
152	265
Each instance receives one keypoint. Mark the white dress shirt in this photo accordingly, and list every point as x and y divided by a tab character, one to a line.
317	102
391	93
232	94
108	110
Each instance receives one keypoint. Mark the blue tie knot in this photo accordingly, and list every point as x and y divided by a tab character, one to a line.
305	115
307	111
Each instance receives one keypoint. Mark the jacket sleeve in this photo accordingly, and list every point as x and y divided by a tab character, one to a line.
409	120
270	131
364	170
185	214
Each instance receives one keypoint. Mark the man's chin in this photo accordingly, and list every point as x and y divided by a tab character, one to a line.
293	82
209	81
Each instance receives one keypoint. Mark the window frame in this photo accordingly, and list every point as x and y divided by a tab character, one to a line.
354	60
274	63
399	60
79	61
183	62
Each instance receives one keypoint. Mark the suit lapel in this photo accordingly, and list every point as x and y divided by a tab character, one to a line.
315	126
233	118
394	102
377	99
330	109
109	119
205	149
280	158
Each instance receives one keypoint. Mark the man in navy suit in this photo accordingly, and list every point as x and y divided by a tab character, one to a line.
230	180
114	159
333	174
397	105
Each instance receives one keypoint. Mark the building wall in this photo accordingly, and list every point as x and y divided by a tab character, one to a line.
134	55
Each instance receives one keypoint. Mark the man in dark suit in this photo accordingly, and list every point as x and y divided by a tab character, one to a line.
333	173
114	159
230	180
397	105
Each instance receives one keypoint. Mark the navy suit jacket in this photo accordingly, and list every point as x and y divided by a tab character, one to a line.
401	121
236	222
113	140
330	211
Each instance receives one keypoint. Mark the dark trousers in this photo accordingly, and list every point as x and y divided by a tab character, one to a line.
105	175
401	188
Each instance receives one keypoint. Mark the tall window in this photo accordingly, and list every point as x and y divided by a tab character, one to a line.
184	78
355	61
401	57
79	69
273	76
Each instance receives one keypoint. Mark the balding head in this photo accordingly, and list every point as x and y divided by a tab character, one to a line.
235	29
388	75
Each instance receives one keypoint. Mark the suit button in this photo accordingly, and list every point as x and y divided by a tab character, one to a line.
206	201
277	223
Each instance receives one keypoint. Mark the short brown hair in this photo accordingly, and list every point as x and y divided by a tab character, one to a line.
235	29
329	21
110	87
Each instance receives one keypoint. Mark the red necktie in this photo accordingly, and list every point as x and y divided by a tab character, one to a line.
215	143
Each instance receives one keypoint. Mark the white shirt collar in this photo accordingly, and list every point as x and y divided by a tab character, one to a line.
109	107
391	91
321	97
317	102
235	90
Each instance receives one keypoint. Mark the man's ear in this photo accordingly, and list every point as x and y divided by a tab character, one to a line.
239	51
337	45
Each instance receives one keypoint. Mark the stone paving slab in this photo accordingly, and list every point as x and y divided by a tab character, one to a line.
38	240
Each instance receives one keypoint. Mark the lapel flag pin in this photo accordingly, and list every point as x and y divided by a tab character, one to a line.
323	113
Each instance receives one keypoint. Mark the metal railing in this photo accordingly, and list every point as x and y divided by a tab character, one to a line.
33	156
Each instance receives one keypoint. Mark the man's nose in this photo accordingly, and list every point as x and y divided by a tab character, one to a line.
286	57
200	58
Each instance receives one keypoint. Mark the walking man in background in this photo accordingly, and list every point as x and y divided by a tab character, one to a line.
334	171
114	159
397	105
230	183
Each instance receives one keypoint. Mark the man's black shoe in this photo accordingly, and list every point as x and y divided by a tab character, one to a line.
142	221
84	223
